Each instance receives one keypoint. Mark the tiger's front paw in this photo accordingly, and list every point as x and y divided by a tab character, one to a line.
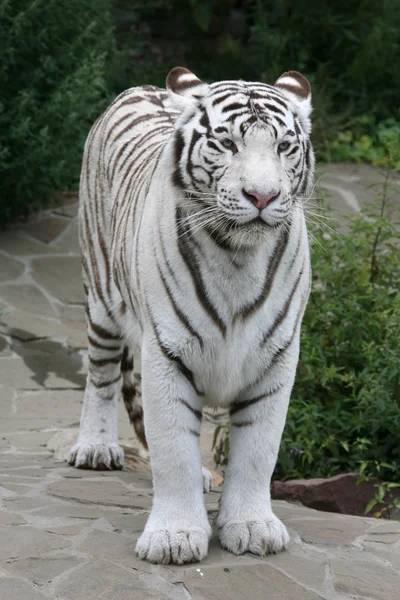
178	546
267	536
96	456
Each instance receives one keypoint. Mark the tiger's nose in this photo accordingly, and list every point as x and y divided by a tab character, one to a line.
260	201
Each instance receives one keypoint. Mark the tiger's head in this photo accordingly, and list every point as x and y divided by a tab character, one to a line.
242	156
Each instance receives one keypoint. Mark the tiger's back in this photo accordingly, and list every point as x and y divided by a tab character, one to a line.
121	154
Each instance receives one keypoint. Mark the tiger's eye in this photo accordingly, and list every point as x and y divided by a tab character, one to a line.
229	145
283	146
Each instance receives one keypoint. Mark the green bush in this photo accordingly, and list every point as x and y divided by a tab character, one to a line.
348	50
368	141
344	414
53	60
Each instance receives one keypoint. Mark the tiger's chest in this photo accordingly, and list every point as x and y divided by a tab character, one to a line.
228	338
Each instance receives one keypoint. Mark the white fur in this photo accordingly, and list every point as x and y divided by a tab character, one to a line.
227	367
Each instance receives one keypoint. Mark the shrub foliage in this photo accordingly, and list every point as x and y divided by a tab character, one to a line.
53	61
348	50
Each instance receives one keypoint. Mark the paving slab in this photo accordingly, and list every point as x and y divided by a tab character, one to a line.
26	297
61	277
68	534
10	268
48	228
17	589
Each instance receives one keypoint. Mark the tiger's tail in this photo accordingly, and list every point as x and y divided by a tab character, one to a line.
132	396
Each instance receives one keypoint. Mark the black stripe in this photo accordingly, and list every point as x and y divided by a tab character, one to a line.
100	331
281	351
102	362
218	238
283	313
193	266
195	138
93	342
242	423
308	154
274	109
181	316
295	254
187	373
132	124
127	361
236	115
196	433
233	106
179	144
214	146
222	98
238	406
293	150
221	129
103	384
281	123
274	129
205	121
197	413
274	262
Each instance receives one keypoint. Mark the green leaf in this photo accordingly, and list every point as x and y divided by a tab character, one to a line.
370	506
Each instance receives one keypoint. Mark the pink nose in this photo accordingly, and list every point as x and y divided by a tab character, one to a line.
259	200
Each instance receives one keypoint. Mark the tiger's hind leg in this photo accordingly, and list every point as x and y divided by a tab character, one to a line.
97	446
132	395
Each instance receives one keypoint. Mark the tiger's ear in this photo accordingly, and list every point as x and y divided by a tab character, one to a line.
297	89
184	88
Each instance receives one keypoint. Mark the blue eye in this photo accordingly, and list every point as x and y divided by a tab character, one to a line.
229	145
283	146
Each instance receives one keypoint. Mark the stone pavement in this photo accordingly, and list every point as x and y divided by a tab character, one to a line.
70	535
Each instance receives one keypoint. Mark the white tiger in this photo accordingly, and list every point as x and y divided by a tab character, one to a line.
195	250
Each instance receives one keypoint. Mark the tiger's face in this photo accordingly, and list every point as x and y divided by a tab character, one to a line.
243	156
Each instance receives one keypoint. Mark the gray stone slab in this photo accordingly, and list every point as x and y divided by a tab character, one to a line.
107	544
73	316
24	327
18	488
366	578
69	241
69	210
10	268
305	565
27	298
259	581
329	529
387	532
47	229
5	349
71	511
9	518
127	523
17	589
15	373
18	245
61	276
41	570
24	541
107	580
61	406
108	492
28	504
26	440
77	338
